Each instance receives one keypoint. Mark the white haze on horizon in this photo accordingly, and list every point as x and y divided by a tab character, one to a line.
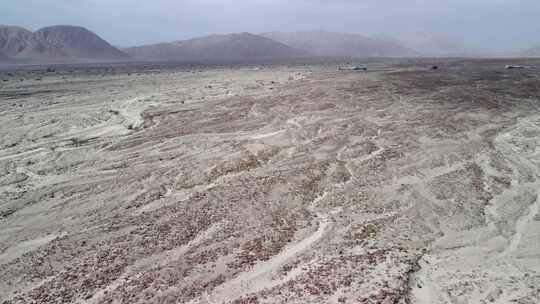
484	25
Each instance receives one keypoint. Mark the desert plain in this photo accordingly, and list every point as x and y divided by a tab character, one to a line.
281	183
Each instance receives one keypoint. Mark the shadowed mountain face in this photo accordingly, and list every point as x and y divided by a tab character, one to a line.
232	47
56	43
330	44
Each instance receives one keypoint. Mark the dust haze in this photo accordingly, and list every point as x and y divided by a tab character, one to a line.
481	25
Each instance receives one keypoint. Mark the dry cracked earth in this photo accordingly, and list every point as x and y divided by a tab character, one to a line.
278	184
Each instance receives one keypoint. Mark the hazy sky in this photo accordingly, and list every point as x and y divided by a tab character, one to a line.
485	24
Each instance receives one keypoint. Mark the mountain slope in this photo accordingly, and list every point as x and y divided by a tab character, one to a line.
56	43
41	51
3	57
78	42
231	47
14	39
331	44
427	43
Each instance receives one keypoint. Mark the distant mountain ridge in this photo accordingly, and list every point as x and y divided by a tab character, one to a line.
66	43
428	43
229	47
331	44
532	52
56	43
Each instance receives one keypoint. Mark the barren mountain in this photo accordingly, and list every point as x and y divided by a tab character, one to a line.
56	43
231	47
14	39
429	44
41	51
78	42
331	44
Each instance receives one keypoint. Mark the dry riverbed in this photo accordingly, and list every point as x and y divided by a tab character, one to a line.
275	184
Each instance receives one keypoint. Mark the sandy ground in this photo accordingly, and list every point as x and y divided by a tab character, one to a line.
297	184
